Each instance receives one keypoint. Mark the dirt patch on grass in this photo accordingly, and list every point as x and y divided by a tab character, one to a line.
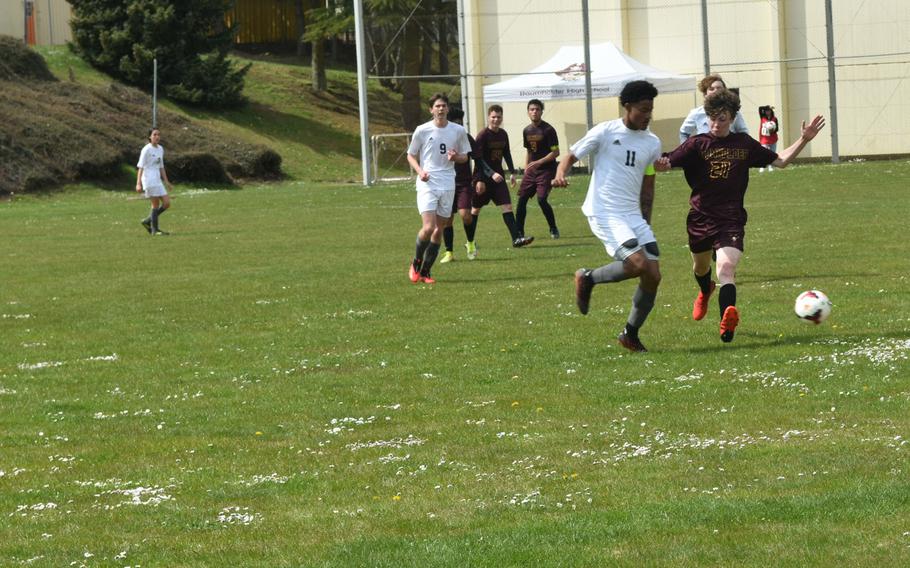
56	132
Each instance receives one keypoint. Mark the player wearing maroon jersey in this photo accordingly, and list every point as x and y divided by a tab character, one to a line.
716	166
464	197
493	147
542	146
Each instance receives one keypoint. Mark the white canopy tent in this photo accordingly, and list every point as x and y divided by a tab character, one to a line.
562	77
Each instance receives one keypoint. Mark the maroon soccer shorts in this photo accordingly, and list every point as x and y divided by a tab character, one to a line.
538	182
464	197
498	193
707	233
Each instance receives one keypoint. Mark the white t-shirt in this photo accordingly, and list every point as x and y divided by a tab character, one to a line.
431	145
696	122
622	156
151	160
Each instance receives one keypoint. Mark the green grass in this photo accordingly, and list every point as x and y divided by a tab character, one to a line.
271	356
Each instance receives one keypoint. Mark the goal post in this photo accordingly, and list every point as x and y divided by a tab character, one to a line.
389	157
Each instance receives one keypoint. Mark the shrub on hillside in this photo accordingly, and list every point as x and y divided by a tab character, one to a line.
58	132
189	39
17	61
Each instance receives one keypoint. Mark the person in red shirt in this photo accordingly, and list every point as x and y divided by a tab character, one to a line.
716	166
768	130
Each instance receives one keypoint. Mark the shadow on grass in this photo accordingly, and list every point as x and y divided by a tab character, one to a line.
457	280
757	279
753	341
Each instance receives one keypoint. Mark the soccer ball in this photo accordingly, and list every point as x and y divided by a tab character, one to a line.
813	306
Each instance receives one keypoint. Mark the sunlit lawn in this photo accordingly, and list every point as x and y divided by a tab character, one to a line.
264	387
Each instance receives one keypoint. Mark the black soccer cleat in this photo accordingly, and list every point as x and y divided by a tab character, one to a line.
554	233
147	223
633	345
583	286
522	242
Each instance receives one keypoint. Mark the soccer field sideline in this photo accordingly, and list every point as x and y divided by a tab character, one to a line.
264	386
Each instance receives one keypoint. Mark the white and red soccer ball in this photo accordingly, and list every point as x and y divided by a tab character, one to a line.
813	306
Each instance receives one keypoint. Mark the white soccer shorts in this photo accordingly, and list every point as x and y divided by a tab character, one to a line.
436	196
614	230
155	191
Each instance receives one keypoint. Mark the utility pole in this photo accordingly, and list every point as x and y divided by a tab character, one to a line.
589	105
832	82
362	92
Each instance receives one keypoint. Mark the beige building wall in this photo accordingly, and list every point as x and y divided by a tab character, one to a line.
774	51
52	20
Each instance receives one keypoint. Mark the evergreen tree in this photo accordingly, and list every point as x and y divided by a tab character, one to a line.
190	40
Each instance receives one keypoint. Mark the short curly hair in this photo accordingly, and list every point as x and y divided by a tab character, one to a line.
706	83
636	91
720	102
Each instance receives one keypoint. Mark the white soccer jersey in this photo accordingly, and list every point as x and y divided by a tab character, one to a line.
431	145
696	122
621	157
151	160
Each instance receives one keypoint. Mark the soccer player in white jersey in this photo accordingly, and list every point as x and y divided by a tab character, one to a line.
618	204
152	178
696	122
435	148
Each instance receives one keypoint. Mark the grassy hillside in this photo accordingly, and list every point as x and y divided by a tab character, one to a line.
317	134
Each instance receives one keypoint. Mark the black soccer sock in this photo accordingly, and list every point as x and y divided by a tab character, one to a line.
160	211
509	219
726	297
448	237
612	272
470	228
420	249
429	257
704	281
547	210
642	304
521	213
631	331
154	218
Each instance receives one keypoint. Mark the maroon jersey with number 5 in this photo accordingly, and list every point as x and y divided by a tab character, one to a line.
540	140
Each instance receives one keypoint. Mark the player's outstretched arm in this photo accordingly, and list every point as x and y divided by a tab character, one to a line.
807	133
562	169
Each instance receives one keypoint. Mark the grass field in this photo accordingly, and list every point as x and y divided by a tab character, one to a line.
264	387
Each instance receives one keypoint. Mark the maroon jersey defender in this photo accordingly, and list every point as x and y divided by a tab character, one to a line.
717	170
540	141
492	147
716	167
